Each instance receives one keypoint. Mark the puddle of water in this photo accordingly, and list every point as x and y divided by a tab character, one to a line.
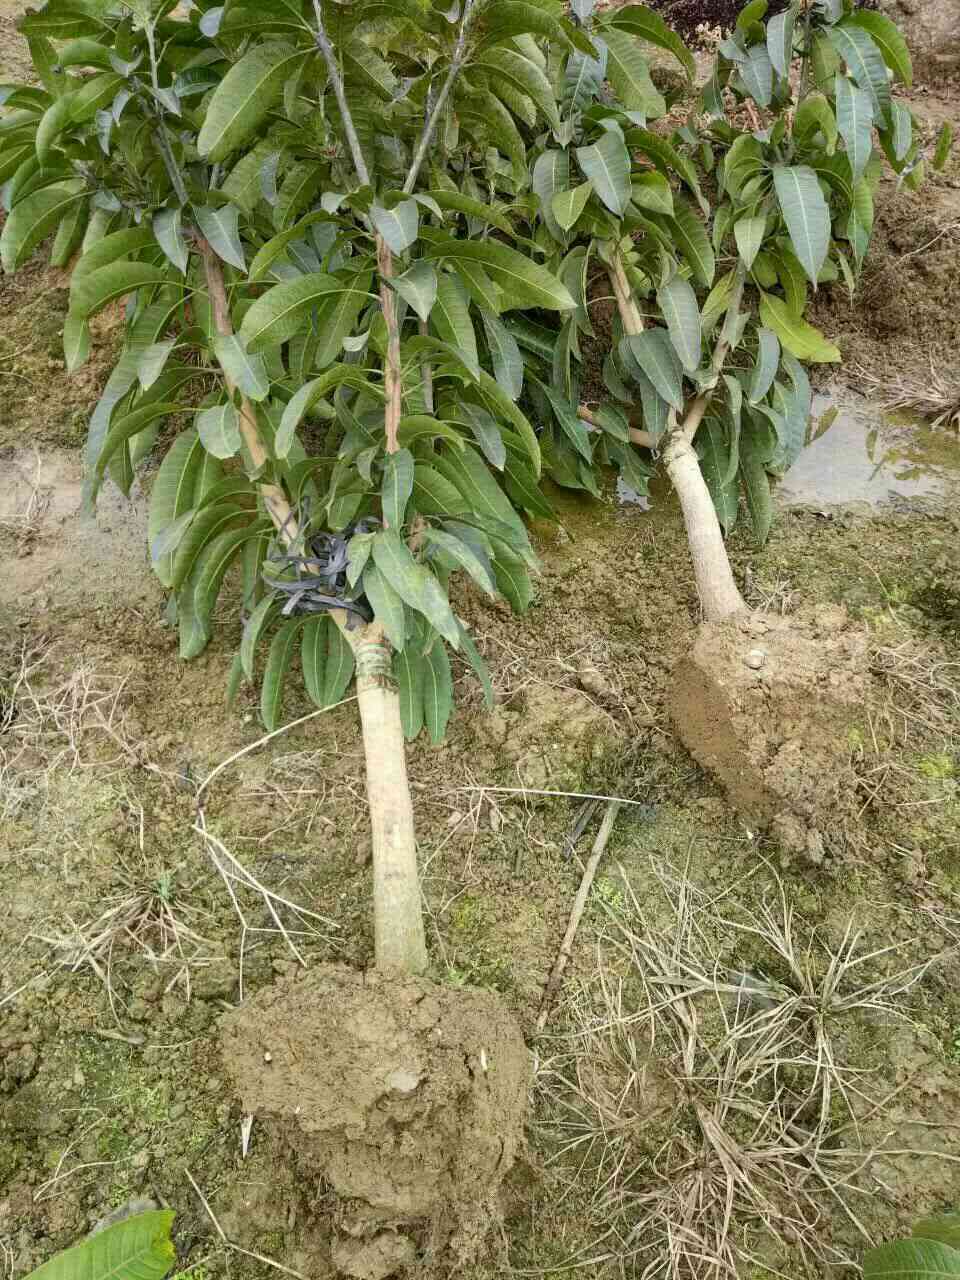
858	454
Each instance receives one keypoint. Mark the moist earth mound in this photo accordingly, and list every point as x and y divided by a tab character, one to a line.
404	1098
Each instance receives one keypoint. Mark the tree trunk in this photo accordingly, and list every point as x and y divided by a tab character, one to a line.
719	594
397	914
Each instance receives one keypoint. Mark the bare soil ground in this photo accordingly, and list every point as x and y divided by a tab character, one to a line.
807	1070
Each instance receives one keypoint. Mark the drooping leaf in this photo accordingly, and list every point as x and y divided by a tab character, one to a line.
167	229
397	487
527	283
460	552
437	690
386	603
678	302
797	336
399	226
282	648
340	314
415	585
220	228
780	30
866	65
551	175
152	362
712	449
450	318
524	75
768	361
653	351
505	353
888	38
245	371
756	72
245	96
607	165
139	1248
648	25
219	430
629	74
855	122
806	213
32	220
944	1227
418	287
756	486
408	669
749	233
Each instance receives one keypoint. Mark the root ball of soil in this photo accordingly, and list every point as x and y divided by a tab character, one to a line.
406	1098
771	705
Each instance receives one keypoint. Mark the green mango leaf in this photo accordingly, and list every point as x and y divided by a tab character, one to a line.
780	31
888	38
505	353
507	64
245	371
221	229
459	203
397	487
435	495
112	248
607	165
944	146
629	73
712	449
120	433
55	119
568	205
399	226
105	285
945	1228
245	97
505	19
415	585
911	1260
418	287
749	233
386	604
815	113
806	213
437	690
797	336
464	556
527	283
768	362
76	341
199	593
34	218
303	400
855	122
866	65
252	630
139	1248
654	353
152	361
336	320
756	72
277	314
551	174
408	668
172	494
450	318
652	191
219	430
678	302
282	648
640	21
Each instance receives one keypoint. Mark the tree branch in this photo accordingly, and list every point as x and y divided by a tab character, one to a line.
642	438
336	79
430	125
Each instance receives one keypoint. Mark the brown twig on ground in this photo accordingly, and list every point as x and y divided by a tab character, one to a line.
576	913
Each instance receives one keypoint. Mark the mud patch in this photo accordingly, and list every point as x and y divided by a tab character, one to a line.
407	1099
768	704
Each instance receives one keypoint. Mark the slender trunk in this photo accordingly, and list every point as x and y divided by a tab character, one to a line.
392	383
397	915
399	937
719	594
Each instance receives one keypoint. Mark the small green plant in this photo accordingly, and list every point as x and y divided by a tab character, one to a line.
139	1248
932	1250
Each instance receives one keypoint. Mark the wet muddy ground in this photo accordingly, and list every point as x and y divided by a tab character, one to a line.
133	918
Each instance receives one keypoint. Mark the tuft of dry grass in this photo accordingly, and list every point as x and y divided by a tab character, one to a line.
710	1114
934	398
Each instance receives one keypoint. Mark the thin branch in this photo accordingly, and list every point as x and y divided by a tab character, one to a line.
336	80
642	438
430	125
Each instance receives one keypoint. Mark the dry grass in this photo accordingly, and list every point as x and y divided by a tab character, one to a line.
711	1115
54	724
934	398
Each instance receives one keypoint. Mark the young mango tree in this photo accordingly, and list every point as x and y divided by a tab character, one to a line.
296	205
710	340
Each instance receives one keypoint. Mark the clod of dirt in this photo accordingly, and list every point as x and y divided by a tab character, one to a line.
768	704
406	1098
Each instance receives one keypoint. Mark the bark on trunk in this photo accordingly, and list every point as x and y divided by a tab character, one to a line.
399	936
719	594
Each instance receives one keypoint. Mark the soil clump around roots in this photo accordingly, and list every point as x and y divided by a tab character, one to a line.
404	1098
768	704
